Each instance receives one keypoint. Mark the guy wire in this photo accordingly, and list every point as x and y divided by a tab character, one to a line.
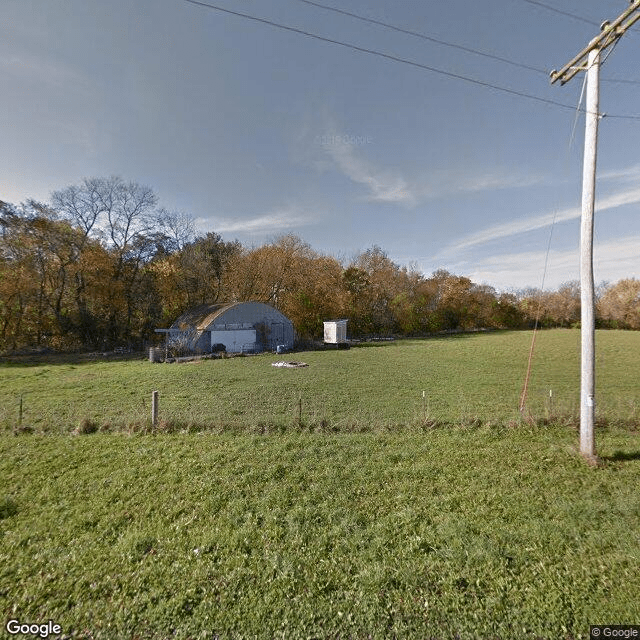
525	388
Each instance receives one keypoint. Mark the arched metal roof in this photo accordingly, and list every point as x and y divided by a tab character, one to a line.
202	316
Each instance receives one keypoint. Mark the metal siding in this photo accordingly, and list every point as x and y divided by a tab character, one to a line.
271	327
235	340
255	314
203	343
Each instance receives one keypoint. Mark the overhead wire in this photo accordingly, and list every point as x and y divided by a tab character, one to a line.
610	51
395	58
559	11
424	36
568	14
444	43
575	120
620	80
523	397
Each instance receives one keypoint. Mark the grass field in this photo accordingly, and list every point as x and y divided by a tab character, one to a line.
368	522
464	378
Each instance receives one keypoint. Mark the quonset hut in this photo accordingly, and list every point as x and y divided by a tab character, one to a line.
242	327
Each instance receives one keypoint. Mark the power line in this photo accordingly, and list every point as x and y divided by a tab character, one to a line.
548	7
394	58
424	36
620	81
562	13
444	43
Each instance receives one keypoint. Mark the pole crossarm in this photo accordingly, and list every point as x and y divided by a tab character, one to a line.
610	32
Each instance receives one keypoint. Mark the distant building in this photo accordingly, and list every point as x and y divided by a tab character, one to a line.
242	327
335	332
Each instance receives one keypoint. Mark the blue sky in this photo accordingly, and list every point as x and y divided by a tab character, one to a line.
256	131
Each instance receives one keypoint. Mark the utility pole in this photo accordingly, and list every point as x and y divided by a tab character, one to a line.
589	59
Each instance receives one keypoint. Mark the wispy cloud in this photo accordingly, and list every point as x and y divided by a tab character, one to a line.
491	181
613	260
385	185
622	175
508	229
382	185
279	220
43	71
321	143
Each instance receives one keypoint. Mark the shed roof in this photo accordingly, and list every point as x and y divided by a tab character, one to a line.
202	316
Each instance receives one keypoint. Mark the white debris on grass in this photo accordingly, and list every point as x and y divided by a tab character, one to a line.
289	365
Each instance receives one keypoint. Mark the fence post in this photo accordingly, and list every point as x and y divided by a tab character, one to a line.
154	408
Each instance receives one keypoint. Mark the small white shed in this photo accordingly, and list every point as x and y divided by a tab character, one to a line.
335	332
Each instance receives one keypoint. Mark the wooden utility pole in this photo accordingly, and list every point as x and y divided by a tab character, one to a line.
589	59
587	289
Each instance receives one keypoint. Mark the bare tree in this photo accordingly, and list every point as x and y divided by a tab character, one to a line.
123	215
79	204
118	211
179	227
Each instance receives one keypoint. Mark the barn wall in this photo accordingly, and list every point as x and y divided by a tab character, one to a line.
234	340
197	342
202	343
272	327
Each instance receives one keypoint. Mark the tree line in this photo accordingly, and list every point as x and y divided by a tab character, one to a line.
103	265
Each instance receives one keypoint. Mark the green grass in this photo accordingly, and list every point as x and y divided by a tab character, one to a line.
464	378
481	532
366	521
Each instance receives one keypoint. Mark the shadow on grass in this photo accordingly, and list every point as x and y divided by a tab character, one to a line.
622	456
456	334
46	357
53	359
431	337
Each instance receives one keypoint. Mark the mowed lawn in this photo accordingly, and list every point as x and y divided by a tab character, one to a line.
366	522
480	532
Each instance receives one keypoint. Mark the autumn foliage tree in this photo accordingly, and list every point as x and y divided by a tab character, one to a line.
103	265
43	259
288	274
619	306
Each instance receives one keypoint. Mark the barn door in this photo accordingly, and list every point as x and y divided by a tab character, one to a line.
277	334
